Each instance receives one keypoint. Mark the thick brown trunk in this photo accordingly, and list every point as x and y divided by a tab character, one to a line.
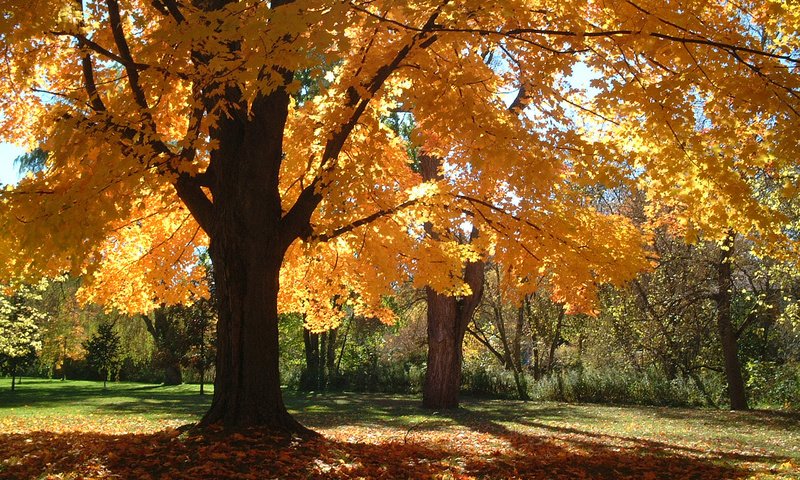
448	318
445	336
727	333
248	241
247	385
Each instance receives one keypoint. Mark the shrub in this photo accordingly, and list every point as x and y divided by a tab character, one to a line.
774	385
589	385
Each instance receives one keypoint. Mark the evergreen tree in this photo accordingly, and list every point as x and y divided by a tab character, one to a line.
103	351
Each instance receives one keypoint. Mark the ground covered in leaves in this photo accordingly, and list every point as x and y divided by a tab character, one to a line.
76	430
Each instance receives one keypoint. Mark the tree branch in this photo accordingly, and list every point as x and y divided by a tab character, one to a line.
297	219
199	205
115	20
515	32
324	237
90	86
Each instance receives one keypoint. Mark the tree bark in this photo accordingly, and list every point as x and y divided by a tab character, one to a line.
727	333
248	241
446	330
551	358
448	318
519	375
323	347
247	385
330	358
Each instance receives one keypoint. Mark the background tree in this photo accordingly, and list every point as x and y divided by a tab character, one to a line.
200	328
65	327
169	327
20	336
19	342
500	328
103	351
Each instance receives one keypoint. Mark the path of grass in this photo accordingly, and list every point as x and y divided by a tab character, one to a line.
126	431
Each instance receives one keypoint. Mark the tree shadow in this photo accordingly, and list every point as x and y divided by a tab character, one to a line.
117	399
255	454
772	419
610	446
160	405
328	410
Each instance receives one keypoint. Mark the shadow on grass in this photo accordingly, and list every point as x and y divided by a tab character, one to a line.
259	455
336	409
90	397
771	419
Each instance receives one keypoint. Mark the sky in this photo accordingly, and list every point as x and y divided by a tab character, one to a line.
8	172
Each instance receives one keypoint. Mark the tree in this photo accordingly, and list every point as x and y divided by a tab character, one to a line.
171	124
168	328
492	323
64	329
103	351
201	323
320	349
448	315
19	341
20	336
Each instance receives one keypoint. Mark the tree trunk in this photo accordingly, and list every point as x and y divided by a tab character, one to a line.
445	336
551	359
202	366
323	347
172	375
448	318
727	333
309	378
13	377
248	240
247	385
64	360
330	358
519	375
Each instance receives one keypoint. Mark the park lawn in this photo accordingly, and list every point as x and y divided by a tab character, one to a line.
54	429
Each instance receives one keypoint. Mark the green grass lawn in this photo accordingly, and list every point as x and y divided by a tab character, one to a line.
363	433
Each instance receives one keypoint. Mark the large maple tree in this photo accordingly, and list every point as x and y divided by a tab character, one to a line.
171	124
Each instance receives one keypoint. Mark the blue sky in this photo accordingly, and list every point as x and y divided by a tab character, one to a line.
8	172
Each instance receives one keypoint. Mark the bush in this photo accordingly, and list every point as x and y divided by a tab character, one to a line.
774	385
588	385
493	382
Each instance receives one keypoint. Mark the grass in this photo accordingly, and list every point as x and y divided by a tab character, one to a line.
483	439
